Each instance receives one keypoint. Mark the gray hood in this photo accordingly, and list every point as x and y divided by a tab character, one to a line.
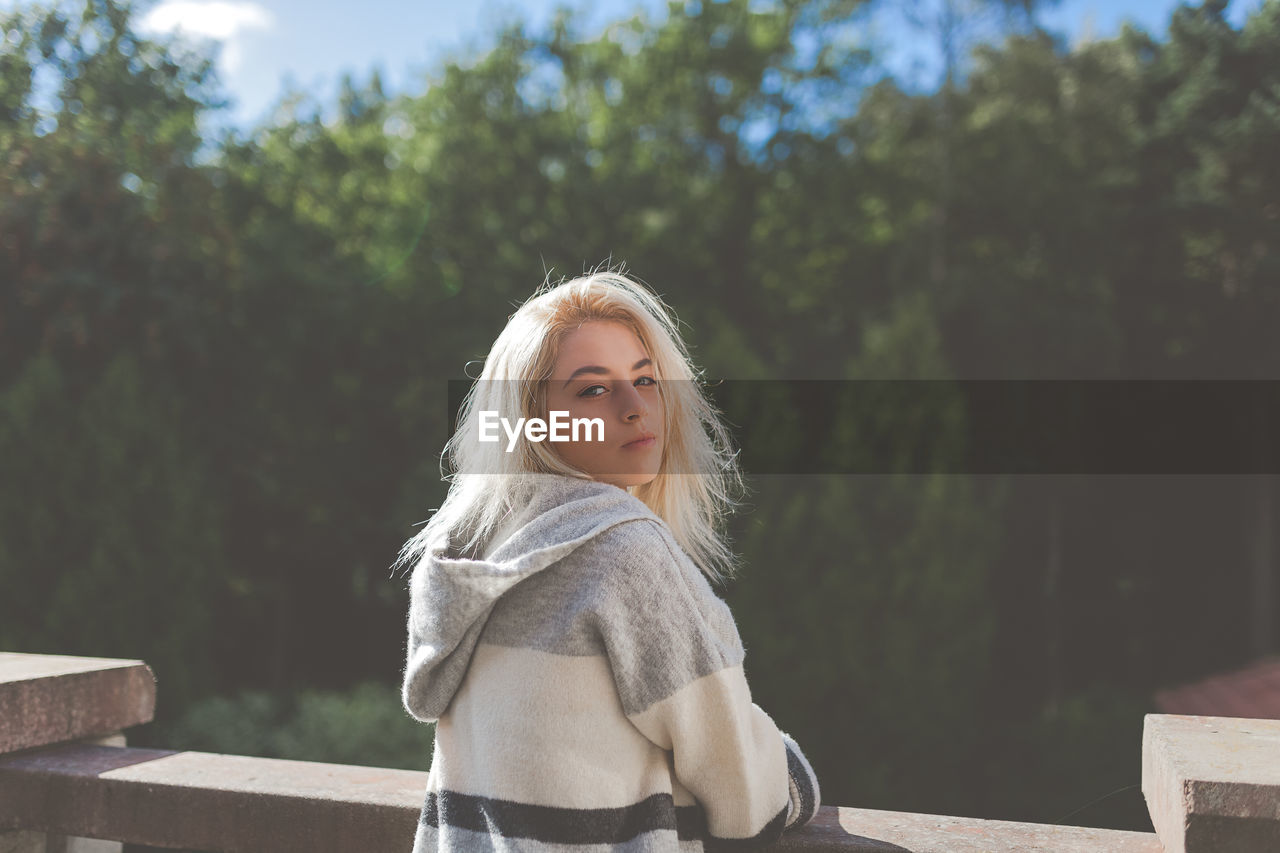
451	597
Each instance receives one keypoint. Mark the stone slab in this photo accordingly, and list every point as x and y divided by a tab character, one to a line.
47	699
849	830
1212	784
238	803
209	801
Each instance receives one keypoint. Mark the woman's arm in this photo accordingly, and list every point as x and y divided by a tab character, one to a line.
677	661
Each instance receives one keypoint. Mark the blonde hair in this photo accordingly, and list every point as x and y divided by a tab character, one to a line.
693	490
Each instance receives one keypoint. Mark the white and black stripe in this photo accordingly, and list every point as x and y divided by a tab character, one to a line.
804	784
557	825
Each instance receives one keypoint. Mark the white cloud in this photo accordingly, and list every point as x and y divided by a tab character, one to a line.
220	20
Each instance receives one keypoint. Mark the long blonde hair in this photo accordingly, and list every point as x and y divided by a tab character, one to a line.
694	491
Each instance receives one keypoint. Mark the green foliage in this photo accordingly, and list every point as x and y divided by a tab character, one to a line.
364	725
108	540
870	635
1092	743
107	242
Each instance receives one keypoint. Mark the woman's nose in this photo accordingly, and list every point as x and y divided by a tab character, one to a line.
633	405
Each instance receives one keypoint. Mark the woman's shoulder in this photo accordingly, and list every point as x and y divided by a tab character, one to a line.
662	624
647	529
641	561
643	544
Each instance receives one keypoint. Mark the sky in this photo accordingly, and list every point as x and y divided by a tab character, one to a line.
264	47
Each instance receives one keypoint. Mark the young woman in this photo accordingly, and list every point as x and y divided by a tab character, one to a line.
586	683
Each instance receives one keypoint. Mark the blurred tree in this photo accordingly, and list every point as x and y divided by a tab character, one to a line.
108	543
956	27
107	241
364	725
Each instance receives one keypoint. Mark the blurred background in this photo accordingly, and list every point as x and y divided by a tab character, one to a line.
229	311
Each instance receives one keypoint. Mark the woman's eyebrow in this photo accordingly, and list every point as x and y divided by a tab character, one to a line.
603	371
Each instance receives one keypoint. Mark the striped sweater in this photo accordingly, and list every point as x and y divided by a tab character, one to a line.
588	691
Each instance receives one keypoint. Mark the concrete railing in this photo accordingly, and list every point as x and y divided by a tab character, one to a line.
66	776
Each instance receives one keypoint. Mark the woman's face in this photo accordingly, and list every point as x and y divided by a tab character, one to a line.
603	371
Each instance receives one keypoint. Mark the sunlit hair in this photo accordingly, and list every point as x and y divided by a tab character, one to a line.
696	485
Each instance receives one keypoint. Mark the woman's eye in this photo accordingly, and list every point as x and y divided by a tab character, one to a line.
587	392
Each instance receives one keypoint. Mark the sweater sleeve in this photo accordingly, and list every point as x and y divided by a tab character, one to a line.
677	661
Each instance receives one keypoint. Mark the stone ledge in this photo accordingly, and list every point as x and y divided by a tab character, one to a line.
1212	784
850	830
234	803
46	699
209	801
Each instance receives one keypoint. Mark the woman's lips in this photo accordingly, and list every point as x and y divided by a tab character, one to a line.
640	443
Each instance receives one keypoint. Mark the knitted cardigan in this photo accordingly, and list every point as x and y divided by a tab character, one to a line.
588	691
